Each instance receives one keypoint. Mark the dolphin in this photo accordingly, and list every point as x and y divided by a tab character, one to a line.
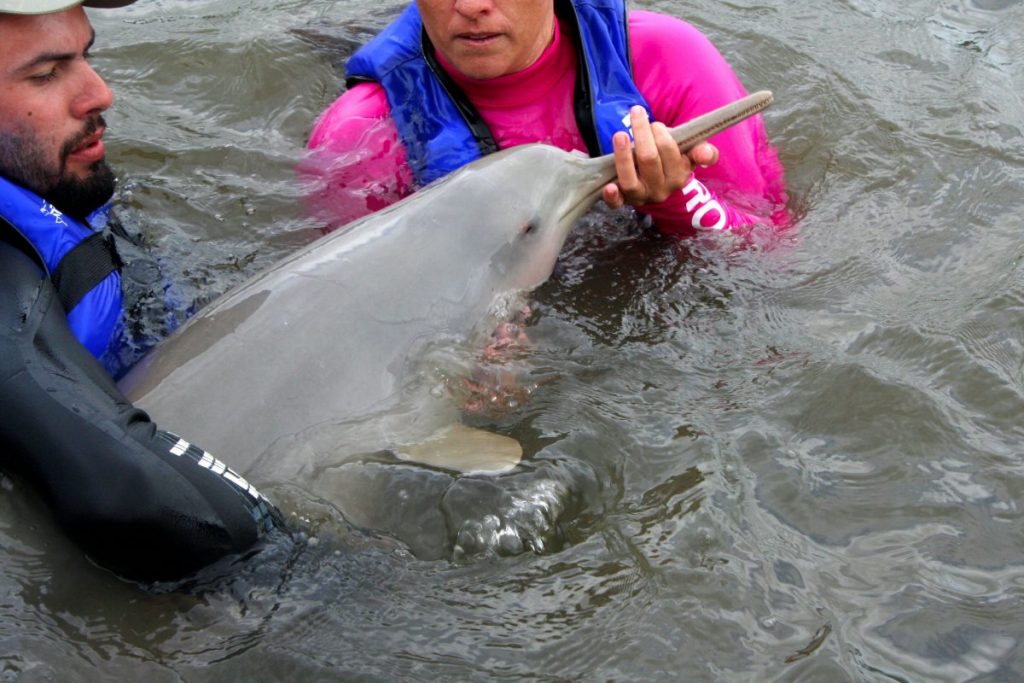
320	358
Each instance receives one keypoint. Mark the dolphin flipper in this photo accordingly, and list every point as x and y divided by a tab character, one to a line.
465	449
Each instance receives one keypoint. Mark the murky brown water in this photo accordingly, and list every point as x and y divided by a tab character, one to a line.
799	465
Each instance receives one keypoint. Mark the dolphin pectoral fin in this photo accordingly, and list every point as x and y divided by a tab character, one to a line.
465	449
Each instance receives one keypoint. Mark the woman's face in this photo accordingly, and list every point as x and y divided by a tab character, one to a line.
489	38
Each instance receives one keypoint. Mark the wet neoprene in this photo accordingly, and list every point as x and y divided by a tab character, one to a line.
139	501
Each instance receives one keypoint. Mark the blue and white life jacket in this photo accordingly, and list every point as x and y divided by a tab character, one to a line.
440	128
82	265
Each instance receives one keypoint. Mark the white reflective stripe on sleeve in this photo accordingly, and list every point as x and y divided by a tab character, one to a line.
213	464
217	467
239	481
180	447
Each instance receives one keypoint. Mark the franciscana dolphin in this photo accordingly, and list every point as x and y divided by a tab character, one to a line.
315	360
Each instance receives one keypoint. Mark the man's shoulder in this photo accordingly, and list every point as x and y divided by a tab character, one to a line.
15	247
20	278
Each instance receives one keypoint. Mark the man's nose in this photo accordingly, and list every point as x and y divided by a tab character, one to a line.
94	95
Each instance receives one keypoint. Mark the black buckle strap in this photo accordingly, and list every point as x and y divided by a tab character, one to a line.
485	141
86	265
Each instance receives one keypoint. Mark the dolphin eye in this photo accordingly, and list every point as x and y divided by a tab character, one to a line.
528	228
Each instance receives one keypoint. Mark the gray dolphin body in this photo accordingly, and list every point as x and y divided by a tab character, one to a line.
314	360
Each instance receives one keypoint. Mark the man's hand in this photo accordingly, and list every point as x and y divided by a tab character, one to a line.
657	168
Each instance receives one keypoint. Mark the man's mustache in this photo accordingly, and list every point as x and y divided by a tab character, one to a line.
91	126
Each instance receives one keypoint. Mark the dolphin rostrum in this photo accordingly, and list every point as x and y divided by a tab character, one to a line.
314	361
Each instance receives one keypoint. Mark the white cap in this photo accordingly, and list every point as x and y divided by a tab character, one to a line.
50	6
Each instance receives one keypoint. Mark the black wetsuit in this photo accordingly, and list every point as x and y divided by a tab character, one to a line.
116	484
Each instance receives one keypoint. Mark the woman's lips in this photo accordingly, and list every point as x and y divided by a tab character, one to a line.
478	39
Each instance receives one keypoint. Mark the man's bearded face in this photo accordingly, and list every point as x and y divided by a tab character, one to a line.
23	160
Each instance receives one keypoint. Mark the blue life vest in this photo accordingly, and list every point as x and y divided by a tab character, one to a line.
442	131
95	316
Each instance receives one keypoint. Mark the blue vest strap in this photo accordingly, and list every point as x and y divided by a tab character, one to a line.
605	90
92	299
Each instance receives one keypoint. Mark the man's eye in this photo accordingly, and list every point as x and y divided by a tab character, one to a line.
44	77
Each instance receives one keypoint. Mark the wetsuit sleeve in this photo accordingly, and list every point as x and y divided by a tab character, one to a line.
139	501
356	164
683	75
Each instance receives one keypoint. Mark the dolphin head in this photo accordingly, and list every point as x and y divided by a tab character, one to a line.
532	197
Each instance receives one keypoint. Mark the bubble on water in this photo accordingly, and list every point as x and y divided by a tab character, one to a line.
509	542
526	522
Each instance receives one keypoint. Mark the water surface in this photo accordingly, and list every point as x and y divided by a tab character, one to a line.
801	464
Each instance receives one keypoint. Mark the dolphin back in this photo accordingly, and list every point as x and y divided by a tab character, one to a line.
326	340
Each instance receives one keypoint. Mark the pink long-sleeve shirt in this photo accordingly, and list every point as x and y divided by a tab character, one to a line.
359	162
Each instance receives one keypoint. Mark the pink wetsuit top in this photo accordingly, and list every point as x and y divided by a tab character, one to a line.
360	162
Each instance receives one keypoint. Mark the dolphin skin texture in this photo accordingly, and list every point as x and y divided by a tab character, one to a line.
314	362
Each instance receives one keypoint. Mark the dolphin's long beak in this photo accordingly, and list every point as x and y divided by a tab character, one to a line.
687	135
703	127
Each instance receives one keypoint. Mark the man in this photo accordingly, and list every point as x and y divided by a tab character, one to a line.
451	80
141	502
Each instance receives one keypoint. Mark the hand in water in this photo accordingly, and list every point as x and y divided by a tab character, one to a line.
495	386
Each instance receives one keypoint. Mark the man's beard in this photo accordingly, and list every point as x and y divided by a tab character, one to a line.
23	161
